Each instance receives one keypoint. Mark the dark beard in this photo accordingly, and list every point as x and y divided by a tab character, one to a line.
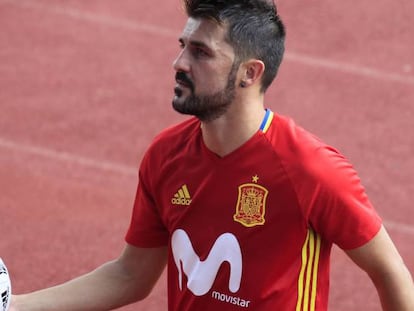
207	107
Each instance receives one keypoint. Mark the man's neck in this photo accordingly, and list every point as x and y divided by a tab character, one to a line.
230	131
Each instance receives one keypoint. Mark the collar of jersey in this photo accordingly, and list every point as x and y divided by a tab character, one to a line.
267	120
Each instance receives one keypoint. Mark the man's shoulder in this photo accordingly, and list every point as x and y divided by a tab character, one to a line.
301	149
289	137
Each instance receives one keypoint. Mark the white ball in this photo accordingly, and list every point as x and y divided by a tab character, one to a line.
5	287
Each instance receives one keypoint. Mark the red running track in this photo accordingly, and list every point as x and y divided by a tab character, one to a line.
85	85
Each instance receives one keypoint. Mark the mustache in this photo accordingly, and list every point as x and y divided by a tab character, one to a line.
181	77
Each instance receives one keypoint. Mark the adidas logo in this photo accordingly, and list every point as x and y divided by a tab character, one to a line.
182	197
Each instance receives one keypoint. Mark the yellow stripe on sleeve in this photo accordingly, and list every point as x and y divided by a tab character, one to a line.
315	272
308	276
302	272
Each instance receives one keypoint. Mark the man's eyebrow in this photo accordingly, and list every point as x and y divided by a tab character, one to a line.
199	44
196	43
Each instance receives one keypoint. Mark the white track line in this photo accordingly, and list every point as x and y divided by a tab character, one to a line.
399	227
349	68
304	59
66	157
94	18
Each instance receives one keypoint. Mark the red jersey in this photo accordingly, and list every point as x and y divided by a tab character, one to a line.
252	230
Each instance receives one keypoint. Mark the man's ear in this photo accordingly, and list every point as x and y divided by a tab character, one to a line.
251	72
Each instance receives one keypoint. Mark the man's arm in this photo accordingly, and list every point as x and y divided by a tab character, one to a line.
125	280
381	260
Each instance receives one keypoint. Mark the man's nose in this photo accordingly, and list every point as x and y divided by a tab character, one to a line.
181	62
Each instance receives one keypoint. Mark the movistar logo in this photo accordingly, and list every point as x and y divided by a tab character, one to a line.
201	274
182	197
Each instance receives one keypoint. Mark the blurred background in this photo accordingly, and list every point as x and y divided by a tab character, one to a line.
86	85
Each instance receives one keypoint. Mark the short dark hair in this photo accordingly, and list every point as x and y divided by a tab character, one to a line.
255	30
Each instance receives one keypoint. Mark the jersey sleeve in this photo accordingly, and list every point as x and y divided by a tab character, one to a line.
146	228
335	201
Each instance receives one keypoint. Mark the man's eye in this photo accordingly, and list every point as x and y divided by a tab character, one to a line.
199	52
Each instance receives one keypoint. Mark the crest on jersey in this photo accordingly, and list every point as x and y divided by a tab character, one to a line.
251	204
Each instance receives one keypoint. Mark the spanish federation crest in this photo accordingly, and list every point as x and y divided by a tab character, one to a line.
251	204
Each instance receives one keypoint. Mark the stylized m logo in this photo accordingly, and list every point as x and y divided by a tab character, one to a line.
201	274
